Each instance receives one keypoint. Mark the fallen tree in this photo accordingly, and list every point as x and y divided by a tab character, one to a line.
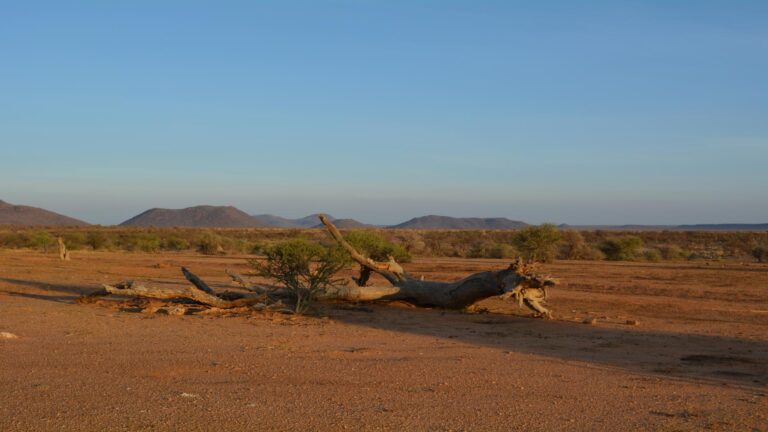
517	281
198	293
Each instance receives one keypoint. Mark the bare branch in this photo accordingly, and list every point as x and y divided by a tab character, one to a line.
358	257
196	281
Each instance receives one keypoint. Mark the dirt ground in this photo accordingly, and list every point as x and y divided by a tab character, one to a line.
696	360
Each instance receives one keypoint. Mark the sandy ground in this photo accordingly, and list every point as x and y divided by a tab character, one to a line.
697	360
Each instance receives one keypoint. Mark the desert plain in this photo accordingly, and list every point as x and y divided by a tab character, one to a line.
673	346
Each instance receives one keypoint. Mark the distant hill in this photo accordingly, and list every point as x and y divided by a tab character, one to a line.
696	227
346	223
25	215
199	216
446	222
275	221
310	221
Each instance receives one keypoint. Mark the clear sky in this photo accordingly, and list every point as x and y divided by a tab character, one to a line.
580	112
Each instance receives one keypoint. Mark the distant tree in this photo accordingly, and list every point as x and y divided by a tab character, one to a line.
210	243
41	240
573	247
175	243
622	249
537	243
760	253
98	240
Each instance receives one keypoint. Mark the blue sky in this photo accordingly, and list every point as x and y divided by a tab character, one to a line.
650	112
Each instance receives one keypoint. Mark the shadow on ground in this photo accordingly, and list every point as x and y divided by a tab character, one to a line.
702	358
713	359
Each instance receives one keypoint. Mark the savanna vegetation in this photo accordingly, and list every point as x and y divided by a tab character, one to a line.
543	243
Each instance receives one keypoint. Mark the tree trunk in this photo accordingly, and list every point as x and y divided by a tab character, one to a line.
200	293
449	295
63	252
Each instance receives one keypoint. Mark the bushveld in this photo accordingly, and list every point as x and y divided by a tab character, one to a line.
543	243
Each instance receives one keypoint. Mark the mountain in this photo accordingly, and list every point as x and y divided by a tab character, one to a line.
696	227
446	222
346	223
724	227
24	215
199	216
275	221
310	221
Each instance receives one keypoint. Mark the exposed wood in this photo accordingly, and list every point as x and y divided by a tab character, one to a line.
196	281
132	289
238	279
357	256
196	293
63	252
451	295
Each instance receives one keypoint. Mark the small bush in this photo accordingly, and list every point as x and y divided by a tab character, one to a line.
501	251
141	242
622	249
652	255
41	240
303	267
672	252
98	240
210	244
175	244
75	240
537	243
257	248
16	240
574	247
760	253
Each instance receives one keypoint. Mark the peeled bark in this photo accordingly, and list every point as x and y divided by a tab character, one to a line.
449	295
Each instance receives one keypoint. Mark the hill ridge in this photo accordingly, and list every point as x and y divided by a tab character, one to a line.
13	214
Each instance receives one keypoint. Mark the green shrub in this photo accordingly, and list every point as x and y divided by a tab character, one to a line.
41	240
257	248
303	267
376	247
574	247
672	252
210	244
652	255
760	253
98	240
175	244
622	249
537	243
501	251
75	240
15	240
142	242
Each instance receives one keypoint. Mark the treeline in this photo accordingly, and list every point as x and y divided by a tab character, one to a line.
544	242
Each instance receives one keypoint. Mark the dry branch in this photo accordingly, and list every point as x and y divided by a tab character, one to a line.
238	279
451	295
196	293
196	281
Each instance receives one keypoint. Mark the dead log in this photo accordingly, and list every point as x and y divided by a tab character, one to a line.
238	279
196	281
196	293
131	289
450	295
63	252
